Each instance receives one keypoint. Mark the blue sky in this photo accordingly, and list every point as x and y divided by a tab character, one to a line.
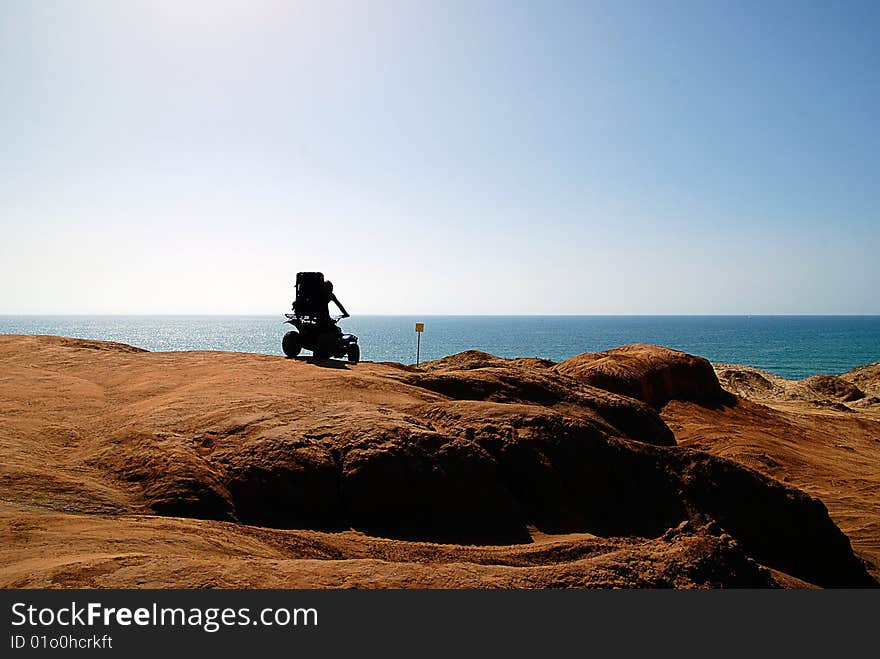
444	157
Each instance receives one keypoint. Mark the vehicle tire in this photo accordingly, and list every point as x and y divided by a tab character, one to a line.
354	353
291	343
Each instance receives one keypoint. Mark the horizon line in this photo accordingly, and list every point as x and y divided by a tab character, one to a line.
458	315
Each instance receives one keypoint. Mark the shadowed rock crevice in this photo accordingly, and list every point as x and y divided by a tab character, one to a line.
453	494
286	488
577	482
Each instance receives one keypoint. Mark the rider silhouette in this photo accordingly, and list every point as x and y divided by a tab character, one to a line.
328	298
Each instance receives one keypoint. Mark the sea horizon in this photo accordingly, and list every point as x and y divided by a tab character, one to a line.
790	345
462	315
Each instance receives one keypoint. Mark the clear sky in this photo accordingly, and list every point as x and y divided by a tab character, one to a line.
442	157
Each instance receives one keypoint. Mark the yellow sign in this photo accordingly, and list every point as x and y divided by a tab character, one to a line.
420	327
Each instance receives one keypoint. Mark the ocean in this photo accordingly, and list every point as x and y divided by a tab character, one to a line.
791	346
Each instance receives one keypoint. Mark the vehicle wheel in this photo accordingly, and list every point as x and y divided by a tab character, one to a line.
354	353
291	343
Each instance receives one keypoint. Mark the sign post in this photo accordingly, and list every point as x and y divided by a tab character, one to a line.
420	327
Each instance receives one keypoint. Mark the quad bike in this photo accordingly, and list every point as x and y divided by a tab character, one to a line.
316	330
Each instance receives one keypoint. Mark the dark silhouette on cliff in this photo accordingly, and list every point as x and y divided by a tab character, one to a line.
316	329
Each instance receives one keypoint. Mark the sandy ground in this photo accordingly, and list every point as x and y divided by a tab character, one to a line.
123	468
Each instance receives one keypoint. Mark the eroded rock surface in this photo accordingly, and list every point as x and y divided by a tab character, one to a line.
651	374
469	450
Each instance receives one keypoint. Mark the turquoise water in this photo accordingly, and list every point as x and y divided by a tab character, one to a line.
792	346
